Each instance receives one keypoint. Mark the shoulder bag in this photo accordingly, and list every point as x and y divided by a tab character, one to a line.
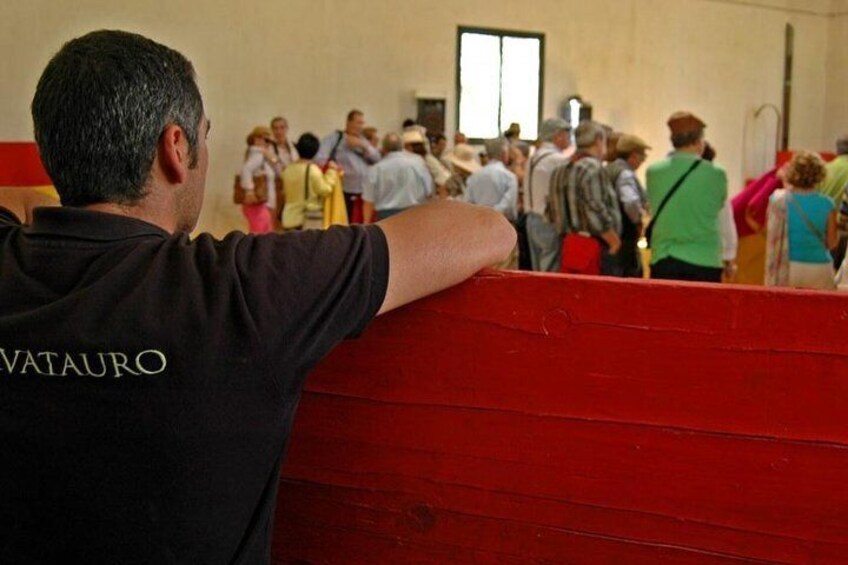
260	188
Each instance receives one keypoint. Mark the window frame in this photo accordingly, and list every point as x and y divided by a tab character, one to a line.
500	33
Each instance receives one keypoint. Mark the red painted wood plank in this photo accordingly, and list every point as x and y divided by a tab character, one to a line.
741	376
420	529
20	165
551	419
418	505
587	463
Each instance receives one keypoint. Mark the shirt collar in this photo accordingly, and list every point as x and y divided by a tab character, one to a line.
496	164
624	163
80	223
684	155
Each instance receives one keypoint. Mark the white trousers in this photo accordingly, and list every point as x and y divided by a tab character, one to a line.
811	275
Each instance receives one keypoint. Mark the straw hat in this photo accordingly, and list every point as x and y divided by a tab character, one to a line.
629	143
465	157
260	131
411	136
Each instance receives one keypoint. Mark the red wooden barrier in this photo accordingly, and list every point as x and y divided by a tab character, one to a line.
532	418
20	165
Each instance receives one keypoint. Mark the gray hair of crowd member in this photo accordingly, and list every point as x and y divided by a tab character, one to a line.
686	139
496	147
842	144
392	142
588	133
99	110
551	127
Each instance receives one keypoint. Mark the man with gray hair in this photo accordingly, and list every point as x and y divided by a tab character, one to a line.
542	237
495	186
149	379
399	181
835	186
588	205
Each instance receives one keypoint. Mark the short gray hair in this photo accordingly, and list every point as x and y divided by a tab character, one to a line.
842	144
588	133
100	108
496	147
392	142
551	127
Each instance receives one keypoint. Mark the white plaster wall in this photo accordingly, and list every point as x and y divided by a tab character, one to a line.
312	60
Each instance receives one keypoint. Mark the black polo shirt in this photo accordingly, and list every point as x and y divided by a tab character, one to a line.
148	382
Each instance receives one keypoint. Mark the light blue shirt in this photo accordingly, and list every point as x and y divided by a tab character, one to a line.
354	163
494	186
400	180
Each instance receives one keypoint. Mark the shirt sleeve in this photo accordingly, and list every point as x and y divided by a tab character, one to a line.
469	191
369	186
508	202
306	291
323	152
596	182
371	154
630	196
438	173
427	180
321	185
252	164
729	237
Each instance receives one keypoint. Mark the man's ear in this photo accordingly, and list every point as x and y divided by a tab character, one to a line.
173	153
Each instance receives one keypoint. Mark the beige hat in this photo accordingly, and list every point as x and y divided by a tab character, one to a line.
260	131
412	136
685	122
465	157
630	143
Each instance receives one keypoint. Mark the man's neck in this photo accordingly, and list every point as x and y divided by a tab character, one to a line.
690	149
142	211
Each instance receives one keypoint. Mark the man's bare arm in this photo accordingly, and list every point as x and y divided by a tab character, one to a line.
438	245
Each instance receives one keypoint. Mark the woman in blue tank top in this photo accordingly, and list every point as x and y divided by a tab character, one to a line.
807	222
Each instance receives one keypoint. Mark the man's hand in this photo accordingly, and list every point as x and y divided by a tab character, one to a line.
729	273
612	240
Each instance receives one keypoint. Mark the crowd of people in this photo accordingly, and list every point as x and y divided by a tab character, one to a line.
574	196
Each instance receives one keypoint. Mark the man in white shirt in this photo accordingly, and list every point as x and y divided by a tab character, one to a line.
495	186
542	237
399	181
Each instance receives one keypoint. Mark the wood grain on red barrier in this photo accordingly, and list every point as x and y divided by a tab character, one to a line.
533	418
